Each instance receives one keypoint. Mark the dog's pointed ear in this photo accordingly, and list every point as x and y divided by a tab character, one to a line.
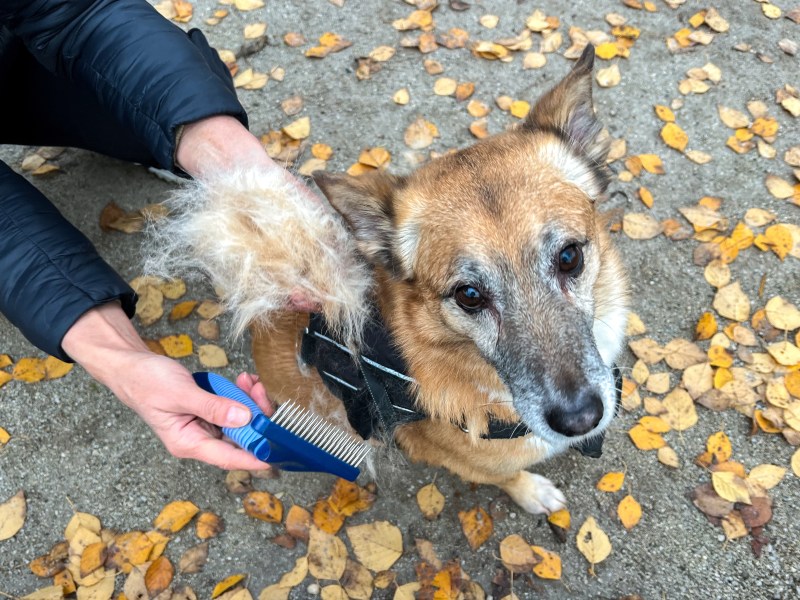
568	109
366	203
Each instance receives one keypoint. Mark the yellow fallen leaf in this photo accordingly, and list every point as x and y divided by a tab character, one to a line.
401	96
254	30
263	506
718	445
765	477
629	512
651	163
246	5
549	565
730	486
55	368
175	515
611	482
227	583
128	550
29	370
374	157
593	542
4	437
182	310
776	238
674	136
645	196
706	326
560	518
299	129
644	439
177	346
520	109
430	501
477	526
795	463
209	525
664	113
445	86
12	515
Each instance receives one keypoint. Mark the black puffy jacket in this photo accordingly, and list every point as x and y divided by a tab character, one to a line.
150	77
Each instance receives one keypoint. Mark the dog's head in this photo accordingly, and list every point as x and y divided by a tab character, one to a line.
496	272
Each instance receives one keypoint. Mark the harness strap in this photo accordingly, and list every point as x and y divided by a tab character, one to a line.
375	390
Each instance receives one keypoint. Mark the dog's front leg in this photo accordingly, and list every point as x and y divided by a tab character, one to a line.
534	493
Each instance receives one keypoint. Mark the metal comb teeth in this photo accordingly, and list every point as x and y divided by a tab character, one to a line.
325	436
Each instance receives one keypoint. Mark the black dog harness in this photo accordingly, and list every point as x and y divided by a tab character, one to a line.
375	389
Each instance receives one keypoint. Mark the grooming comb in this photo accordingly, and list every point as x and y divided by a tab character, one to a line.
293	439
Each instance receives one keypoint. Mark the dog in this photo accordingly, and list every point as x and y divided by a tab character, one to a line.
500	291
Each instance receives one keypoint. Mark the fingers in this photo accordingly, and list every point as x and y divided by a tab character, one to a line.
225	456
256	390
217	410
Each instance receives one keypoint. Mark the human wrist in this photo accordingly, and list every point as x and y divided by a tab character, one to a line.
101	340
218	144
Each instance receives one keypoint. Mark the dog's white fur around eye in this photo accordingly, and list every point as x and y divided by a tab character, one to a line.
259	240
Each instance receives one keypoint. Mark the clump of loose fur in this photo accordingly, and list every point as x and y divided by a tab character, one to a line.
261	242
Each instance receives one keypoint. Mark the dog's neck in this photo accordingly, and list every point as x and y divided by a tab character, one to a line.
376	390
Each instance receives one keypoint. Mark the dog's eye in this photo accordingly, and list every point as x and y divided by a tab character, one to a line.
570	260
469	298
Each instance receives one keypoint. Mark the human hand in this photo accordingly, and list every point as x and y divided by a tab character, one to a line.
221	144
161	391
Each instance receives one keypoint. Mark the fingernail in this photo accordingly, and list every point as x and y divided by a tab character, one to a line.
238	416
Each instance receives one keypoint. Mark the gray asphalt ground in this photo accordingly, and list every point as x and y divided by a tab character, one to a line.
74	445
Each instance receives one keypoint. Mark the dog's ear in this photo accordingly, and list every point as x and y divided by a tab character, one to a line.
568	110
366	203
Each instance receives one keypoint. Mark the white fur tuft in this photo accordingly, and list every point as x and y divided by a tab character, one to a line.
261	242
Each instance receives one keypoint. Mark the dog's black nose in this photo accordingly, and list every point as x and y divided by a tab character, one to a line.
579	419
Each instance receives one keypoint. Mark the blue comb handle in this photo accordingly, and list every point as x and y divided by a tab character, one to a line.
270	442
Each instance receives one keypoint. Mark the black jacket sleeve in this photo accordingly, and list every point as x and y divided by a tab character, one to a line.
152	77
50	273
145	70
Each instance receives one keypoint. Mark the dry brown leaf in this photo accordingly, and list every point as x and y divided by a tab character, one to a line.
681	413
298	522
209	525
150	305
357	581
254	30
608	77
194	559
420	134
53	592
12	515
516	554
640	226
327	555
667	456
732	303
158	576
212	356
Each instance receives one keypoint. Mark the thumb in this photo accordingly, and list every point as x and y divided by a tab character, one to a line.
222	412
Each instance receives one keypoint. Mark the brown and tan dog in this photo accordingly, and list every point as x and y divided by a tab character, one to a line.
496	277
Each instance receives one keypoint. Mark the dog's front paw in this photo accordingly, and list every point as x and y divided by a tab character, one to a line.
535	493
